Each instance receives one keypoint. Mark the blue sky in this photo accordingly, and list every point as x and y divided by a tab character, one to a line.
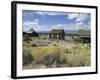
46	21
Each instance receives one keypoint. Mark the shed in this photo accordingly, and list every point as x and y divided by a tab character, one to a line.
85	35
30	34
57	34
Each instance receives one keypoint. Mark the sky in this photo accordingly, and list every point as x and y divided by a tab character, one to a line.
46	20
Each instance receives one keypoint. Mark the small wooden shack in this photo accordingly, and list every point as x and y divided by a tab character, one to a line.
57	34
30	34
85	35
86	39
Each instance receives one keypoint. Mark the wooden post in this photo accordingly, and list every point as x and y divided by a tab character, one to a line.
50	35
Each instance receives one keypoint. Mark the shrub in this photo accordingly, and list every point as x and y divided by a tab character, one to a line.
40	52
66	50
27	57
51	58
34	45
87	55
55	44
25	44
55	59
27	38
43	44
44	37
75	60
48	59
36	65
63	58
79	57
78	39
76	49
28	42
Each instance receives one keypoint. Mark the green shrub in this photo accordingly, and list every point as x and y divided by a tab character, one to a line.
62	60
25	44
55	44
34	45
75	60
80	56
44	37
75	56
28	42
56	58
50	58
27	38
27	57
78	39
36	65
42	44
66	50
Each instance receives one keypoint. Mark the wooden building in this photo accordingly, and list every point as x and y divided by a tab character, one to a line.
57	34
86	39
30	34
85	35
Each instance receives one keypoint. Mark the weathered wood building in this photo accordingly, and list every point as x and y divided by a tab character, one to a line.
30	34
85	35
57	34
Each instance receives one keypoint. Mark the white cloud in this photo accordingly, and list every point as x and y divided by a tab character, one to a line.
78	16
42	28
36	20
49	13
72	26
82	17
58	26
40	13
27	25
64	26
27	13
72	15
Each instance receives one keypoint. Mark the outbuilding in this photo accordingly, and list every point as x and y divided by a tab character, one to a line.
57	34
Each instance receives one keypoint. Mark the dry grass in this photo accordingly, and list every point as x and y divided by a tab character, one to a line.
60	53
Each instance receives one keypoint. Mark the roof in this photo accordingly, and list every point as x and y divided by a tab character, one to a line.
84	33
57	31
